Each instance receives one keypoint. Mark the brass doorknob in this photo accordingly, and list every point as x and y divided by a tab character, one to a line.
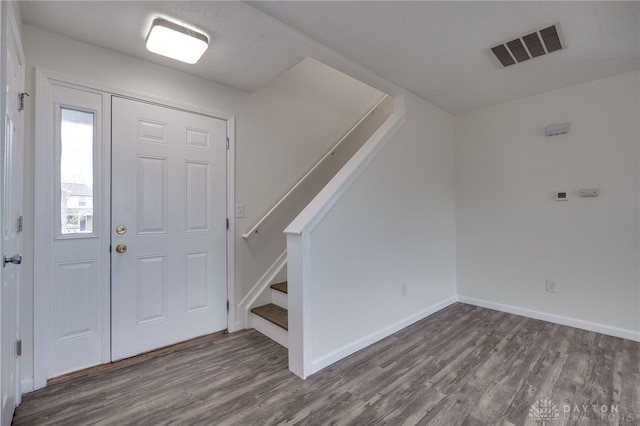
121	248
121	229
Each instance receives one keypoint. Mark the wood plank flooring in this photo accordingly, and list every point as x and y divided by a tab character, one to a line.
461	366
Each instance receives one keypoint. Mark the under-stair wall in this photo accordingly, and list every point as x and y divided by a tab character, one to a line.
375	250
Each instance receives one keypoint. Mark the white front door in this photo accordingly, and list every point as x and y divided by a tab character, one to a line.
11	228
166	183
168	226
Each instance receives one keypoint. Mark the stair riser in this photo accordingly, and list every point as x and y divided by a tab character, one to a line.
269	329
279	298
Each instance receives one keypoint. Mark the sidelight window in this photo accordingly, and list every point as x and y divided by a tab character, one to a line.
77	133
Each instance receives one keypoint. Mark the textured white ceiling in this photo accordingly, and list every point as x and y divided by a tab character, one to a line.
244	52
438	50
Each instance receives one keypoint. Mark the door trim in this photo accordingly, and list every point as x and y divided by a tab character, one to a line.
43	202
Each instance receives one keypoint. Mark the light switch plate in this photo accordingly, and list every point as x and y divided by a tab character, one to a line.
239	211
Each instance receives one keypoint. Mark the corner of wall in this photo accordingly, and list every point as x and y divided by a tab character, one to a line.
512	235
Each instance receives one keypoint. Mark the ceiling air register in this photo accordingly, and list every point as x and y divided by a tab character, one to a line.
537	43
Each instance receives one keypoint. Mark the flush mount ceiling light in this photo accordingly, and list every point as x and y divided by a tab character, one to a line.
175	41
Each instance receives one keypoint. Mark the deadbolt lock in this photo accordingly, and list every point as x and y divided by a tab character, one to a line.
121	248
121	229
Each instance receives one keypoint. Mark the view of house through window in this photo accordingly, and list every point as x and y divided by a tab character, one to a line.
76	171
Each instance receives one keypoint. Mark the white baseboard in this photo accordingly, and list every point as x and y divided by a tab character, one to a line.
556	319
27	385
351	348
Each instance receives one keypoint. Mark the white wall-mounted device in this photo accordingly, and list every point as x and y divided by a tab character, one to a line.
556	129
589	192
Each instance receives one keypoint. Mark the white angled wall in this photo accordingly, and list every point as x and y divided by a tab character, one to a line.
511	233
385	253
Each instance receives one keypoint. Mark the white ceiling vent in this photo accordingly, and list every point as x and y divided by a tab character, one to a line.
532	45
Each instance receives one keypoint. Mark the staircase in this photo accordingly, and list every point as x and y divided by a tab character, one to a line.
272	319
265	306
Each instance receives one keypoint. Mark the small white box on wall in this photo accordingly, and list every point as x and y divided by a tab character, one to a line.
589	192
556	129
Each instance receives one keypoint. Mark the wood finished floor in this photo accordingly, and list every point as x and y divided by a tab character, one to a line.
462	366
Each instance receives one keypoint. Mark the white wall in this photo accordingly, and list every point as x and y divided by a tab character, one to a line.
281	131
393	229
511	233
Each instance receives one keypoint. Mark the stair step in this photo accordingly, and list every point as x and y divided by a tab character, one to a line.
274	314
279	298
280	287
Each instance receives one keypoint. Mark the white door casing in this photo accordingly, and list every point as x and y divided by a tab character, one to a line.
12	167
169	192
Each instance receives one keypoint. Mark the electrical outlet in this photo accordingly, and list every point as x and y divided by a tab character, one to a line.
239	211
551	286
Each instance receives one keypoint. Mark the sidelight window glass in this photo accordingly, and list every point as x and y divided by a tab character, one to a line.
76	171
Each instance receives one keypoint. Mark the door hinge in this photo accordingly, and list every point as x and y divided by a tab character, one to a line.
227	224
21	96
20	223
18	347
227	305
227	142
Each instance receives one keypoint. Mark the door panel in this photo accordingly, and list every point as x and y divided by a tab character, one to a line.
12	142
152	195
197	191
73	278
78	272
169	191
10	272
197	279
